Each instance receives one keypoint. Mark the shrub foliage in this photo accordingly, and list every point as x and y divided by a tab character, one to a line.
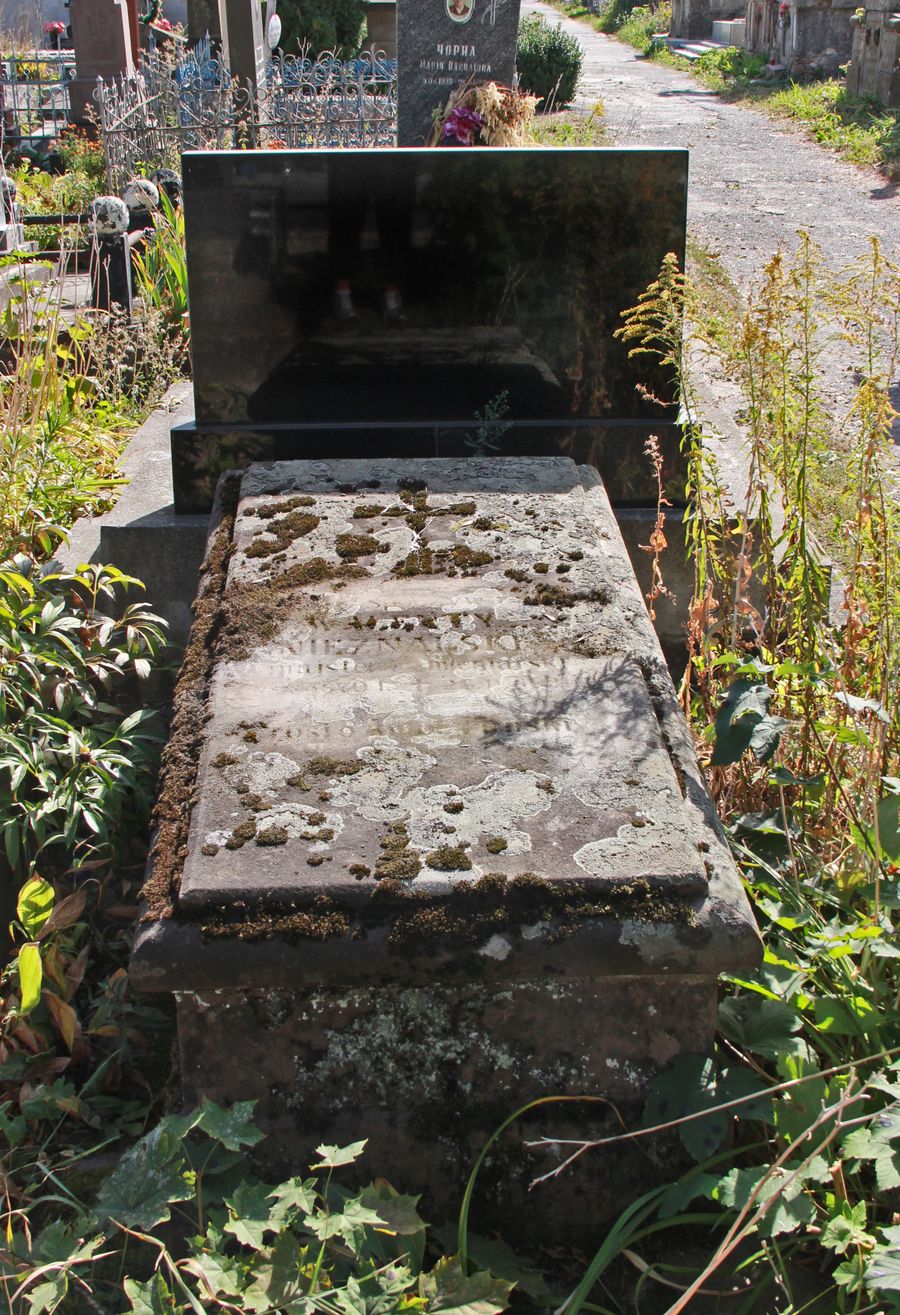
548	62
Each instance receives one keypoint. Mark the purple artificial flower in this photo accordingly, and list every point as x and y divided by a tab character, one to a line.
461	126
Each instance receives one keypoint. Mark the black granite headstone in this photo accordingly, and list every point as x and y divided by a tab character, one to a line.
424	303
443	43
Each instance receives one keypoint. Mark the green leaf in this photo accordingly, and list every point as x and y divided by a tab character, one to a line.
217	1271
783	776
350	1223
45	1298
692	1084
764	1027
856	704
852	1016
790	1207
847	1229
875	1142
743	722
280	1280
31	974
687	1086
451	1291
501	1260
154	1297
888	814
332	1157
685	1190
34	905
147	1180
883	1270
294	1194
232	1128
398	1213
250	1215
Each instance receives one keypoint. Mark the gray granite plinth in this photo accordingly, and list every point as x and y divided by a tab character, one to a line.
447	847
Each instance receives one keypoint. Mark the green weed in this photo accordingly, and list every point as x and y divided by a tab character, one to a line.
862	130
162	275
798	722
76	761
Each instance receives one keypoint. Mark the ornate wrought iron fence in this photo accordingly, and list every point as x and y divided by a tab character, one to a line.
194	104
34	94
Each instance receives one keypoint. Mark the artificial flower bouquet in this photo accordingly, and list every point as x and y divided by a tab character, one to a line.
484	114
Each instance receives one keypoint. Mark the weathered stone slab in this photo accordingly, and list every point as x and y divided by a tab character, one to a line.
470	688
450	849
442	44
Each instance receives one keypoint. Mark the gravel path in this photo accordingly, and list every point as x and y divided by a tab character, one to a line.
752	183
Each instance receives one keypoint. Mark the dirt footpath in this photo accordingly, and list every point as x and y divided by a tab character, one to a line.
752	183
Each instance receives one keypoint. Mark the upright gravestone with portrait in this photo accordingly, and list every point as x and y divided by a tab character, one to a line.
442	44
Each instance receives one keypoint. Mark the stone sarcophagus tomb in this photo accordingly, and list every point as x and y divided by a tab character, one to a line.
432	837
414	303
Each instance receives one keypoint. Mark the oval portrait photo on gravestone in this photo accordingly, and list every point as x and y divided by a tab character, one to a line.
460	10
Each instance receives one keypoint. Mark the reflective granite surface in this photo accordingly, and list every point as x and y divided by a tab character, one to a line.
616	448
512	268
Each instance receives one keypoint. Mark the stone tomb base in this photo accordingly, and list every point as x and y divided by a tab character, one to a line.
449	849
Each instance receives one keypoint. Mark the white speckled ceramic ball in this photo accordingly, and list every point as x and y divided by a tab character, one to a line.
141	194
108	216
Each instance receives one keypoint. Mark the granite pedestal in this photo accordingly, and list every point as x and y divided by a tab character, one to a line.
432	837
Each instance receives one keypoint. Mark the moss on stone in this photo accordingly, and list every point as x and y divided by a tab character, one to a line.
252	612
272	835
322	765
419	562
295	525
351	546
449	858
243	832
467	559
397	862
268	510
557	595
